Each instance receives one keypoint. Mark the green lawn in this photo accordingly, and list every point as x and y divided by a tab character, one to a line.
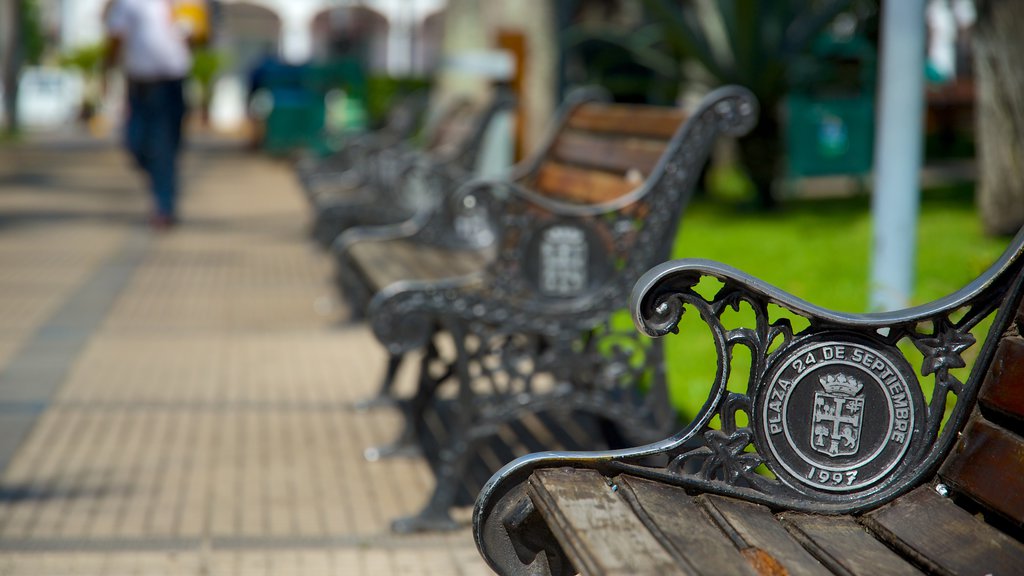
819	250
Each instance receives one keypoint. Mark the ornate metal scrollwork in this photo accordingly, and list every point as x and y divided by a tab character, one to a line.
835	411
832	417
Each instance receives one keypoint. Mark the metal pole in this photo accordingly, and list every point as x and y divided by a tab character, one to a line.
898	154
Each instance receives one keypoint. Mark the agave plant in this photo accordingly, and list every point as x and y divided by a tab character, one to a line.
758	44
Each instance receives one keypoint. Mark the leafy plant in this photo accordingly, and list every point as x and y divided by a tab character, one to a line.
206	63
33	39
754	43
85	59
88	61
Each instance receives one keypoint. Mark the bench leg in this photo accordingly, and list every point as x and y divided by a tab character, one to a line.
350	288
482	425
453	457
408	443
384	396
435	516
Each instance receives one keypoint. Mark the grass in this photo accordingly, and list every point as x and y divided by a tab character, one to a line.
818	250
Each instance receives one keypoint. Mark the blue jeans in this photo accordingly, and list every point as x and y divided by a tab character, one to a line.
156	109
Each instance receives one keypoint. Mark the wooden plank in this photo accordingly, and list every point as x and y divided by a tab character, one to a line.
597	529
988	464
650	121
763	541
844	546
447	127
583	186
386	262
943	538
693	539
454	135
1003	389
630	155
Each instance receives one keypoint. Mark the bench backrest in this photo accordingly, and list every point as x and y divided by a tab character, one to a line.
600	202
604	151
987	462
419	178
596	153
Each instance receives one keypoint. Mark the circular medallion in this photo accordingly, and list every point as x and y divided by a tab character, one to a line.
838	414
565	259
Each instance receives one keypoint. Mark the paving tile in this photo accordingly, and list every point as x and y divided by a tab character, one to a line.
203	426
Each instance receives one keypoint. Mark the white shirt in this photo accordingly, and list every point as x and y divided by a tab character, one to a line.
153	47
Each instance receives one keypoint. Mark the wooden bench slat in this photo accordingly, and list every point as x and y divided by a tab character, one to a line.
452	135
682	528
986	464
1002	390
387	262
572	184
654	122
844	546
610	153
596	528
944	538
765	543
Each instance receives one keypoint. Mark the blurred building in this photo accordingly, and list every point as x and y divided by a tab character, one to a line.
395	38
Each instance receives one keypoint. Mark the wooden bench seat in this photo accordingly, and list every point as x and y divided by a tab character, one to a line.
398	260
630	525
834	459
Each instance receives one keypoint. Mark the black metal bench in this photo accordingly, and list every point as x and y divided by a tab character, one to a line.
445	239
526	354
347	170
832	457
383	190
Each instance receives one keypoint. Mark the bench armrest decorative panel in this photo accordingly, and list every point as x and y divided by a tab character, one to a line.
834	417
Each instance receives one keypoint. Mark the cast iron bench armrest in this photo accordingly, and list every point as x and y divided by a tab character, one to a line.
795	374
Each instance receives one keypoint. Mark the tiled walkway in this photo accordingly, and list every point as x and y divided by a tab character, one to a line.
179	403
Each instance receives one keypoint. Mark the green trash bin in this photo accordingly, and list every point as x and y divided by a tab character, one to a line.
296	113
829	136
299	99
340	85
830	127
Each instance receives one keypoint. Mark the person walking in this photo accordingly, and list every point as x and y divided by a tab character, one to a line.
153	46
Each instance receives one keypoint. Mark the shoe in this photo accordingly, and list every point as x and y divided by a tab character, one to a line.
162	222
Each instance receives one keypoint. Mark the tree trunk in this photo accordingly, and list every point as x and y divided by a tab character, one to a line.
999	82
761	151
10	60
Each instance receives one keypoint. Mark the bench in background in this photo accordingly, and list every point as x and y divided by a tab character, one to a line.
445	239
347	170
386	193
526	353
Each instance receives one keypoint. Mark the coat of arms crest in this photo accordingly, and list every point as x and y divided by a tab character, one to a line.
835	429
